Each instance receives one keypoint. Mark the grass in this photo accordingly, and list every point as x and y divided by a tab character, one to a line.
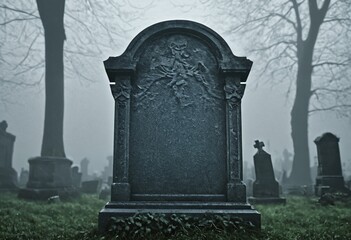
300	218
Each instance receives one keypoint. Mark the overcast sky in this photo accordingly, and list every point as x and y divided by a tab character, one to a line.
89	107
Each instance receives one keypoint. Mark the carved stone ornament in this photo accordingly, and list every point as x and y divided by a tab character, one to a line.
234	92
121	91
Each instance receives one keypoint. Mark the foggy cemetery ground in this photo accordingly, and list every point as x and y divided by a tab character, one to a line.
301	218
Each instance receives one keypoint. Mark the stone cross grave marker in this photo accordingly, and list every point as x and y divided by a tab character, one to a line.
265	187
177	140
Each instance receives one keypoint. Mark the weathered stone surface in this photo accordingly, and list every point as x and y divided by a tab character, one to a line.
265	187
177	91
329	175
49	176
8	175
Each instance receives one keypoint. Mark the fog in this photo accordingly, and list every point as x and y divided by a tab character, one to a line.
89	106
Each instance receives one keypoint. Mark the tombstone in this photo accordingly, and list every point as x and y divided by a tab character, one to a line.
23	178
265	188
329	176
107	172
91	187
76	177
8	175
84	169
178	140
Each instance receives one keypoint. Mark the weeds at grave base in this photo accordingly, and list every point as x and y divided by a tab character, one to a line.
147	226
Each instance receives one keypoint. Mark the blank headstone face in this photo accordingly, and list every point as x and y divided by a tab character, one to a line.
264	168
177	119
329	156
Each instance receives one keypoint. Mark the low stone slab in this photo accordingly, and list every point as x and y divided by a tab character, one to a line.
196	209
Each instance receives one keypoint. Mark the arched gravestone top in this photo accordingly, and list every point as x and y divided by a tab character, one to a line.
326	137
227	61
178	95
328	153
177	139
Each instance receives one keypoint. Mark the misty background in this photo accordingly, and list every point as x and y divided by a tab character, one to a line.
95	32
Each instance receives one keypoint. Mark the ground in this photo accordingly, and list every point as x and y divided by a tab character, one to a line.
300	218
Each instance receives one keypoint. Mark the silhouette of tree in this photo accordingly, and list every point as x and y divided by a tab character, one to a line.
305	43
92	27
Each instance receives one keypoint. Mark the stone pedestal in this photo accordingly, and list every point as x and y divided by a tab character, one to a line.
49	176
196	209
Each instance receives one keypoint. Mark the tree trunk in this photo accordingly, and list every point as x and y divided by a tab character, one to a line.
51	14
300	174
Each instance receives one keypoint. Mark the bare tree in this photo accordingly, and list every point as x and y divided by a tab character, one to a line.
84	23
305	43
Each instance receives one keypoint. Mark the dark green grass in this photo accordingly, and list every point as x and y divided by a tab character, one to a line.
300	218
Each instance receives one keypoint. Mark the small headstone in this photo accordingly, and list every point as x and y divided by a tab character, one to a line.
76	177
91	187
8	175
84	169
177	148
265	188
329	165
107	172
23	178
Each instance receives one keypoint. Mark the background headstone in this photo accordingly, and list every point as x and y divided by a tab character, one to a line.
329	176
265	187
76	177
8	175
23	178
107	172
177	147
91	187
84	163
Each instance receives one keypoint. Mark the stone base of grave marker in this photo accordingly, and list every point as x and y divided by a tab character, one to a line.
330	184
49	176
267	200
196	209
299	190
271	196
